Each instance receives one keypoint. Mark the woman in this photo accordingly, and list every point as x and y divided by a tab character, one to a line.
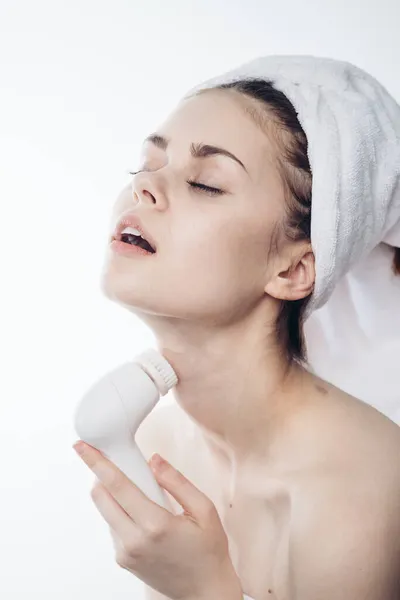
299	471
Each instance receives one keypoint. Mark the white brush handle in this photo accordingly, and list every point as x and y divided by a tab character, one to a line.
132	463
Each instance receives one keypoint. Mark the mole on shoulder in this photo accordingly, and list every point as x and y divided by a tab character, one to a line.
321	389
230	505
269	591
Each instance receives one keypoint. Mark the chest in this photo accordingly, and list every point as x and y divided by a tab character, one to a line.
255	512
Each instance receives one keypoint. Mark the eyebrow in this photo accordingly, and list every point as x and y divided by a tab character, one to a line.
196	150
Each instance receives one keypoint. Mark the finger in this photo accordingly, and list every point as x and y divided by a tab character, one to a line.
143	511
120	523
195	503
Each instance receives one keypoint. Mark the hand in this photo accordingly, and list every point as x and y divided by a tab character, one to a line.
185	556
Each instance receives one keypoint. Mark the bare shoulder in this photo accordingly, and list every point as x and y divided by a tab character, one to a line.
351	454
345	430
346	515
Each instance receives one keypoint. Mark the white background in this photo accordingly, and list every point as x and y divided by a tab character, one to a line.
81	84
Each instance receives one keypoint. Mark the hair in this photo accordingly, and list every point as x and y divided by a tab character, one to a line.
396	261
278	117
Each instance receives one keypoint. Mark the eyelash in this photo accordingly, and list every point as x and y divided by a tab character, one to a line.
211	191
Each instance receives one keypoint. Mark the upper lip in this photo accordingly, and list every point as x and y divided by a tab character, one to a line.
130	220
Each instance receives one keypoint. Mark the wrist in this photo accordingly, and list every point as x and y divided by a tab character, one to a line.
227	586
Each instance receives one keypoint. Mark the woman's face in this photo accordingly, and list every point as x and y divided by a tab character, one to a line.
212	250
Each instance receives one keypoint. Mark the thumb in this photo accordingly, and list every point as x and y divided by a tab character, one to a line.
193	501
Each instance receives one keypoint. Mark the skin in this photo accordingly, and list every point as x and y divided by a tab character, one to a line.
211	293
265	433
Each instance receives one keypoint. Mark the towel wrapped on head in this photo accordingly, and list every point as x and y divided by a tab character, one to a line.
352	125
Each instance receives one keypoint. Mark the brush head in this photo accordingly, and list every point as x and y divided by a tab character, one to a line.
158	368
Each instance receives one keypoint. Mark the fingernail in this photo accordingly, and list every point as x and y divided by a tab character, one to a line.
79	448
157	460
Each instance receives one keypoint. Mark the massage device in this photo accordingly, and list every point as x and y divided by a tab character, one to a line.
110	413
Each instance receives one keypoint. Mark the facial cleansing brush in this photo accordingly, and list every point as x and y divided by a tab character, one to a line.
110	413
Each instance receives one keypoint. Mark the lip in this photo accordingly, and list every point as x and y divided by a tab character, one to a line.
130	220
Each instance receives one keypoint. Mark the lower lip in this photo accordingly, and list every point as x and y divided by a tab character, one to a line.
128	249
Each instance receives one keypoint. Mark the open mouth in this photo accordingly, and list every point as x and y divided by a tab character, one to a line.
137	240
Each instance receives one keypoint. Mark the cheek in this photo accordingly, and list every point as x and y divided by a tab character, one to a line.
218	273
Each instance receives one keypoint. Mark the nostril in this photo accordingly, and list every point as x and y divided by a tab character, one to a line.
152	198
144	193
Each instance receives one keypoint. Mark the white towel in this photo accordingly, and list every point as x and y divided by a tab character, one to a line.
352	126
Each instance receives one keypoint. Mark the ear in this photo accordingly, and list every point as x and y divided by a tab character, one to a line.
297	280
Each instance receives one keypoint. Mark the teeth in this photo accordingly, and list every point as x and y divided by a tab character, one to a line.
132	230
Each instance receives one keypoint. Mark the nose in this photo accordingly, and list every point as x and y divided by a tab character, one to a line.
142	194
146	188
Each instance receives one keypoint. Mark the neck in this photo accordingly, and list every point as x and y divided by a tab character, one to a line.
241	392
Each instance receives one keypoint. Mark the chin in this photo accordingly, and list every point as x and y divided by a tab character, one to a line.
121	289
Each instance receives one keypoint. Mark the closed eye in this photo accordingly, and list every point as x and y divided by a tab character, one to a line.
212	191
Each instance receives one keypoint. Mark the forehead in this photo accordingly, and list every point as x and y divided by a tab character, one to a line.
218	117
